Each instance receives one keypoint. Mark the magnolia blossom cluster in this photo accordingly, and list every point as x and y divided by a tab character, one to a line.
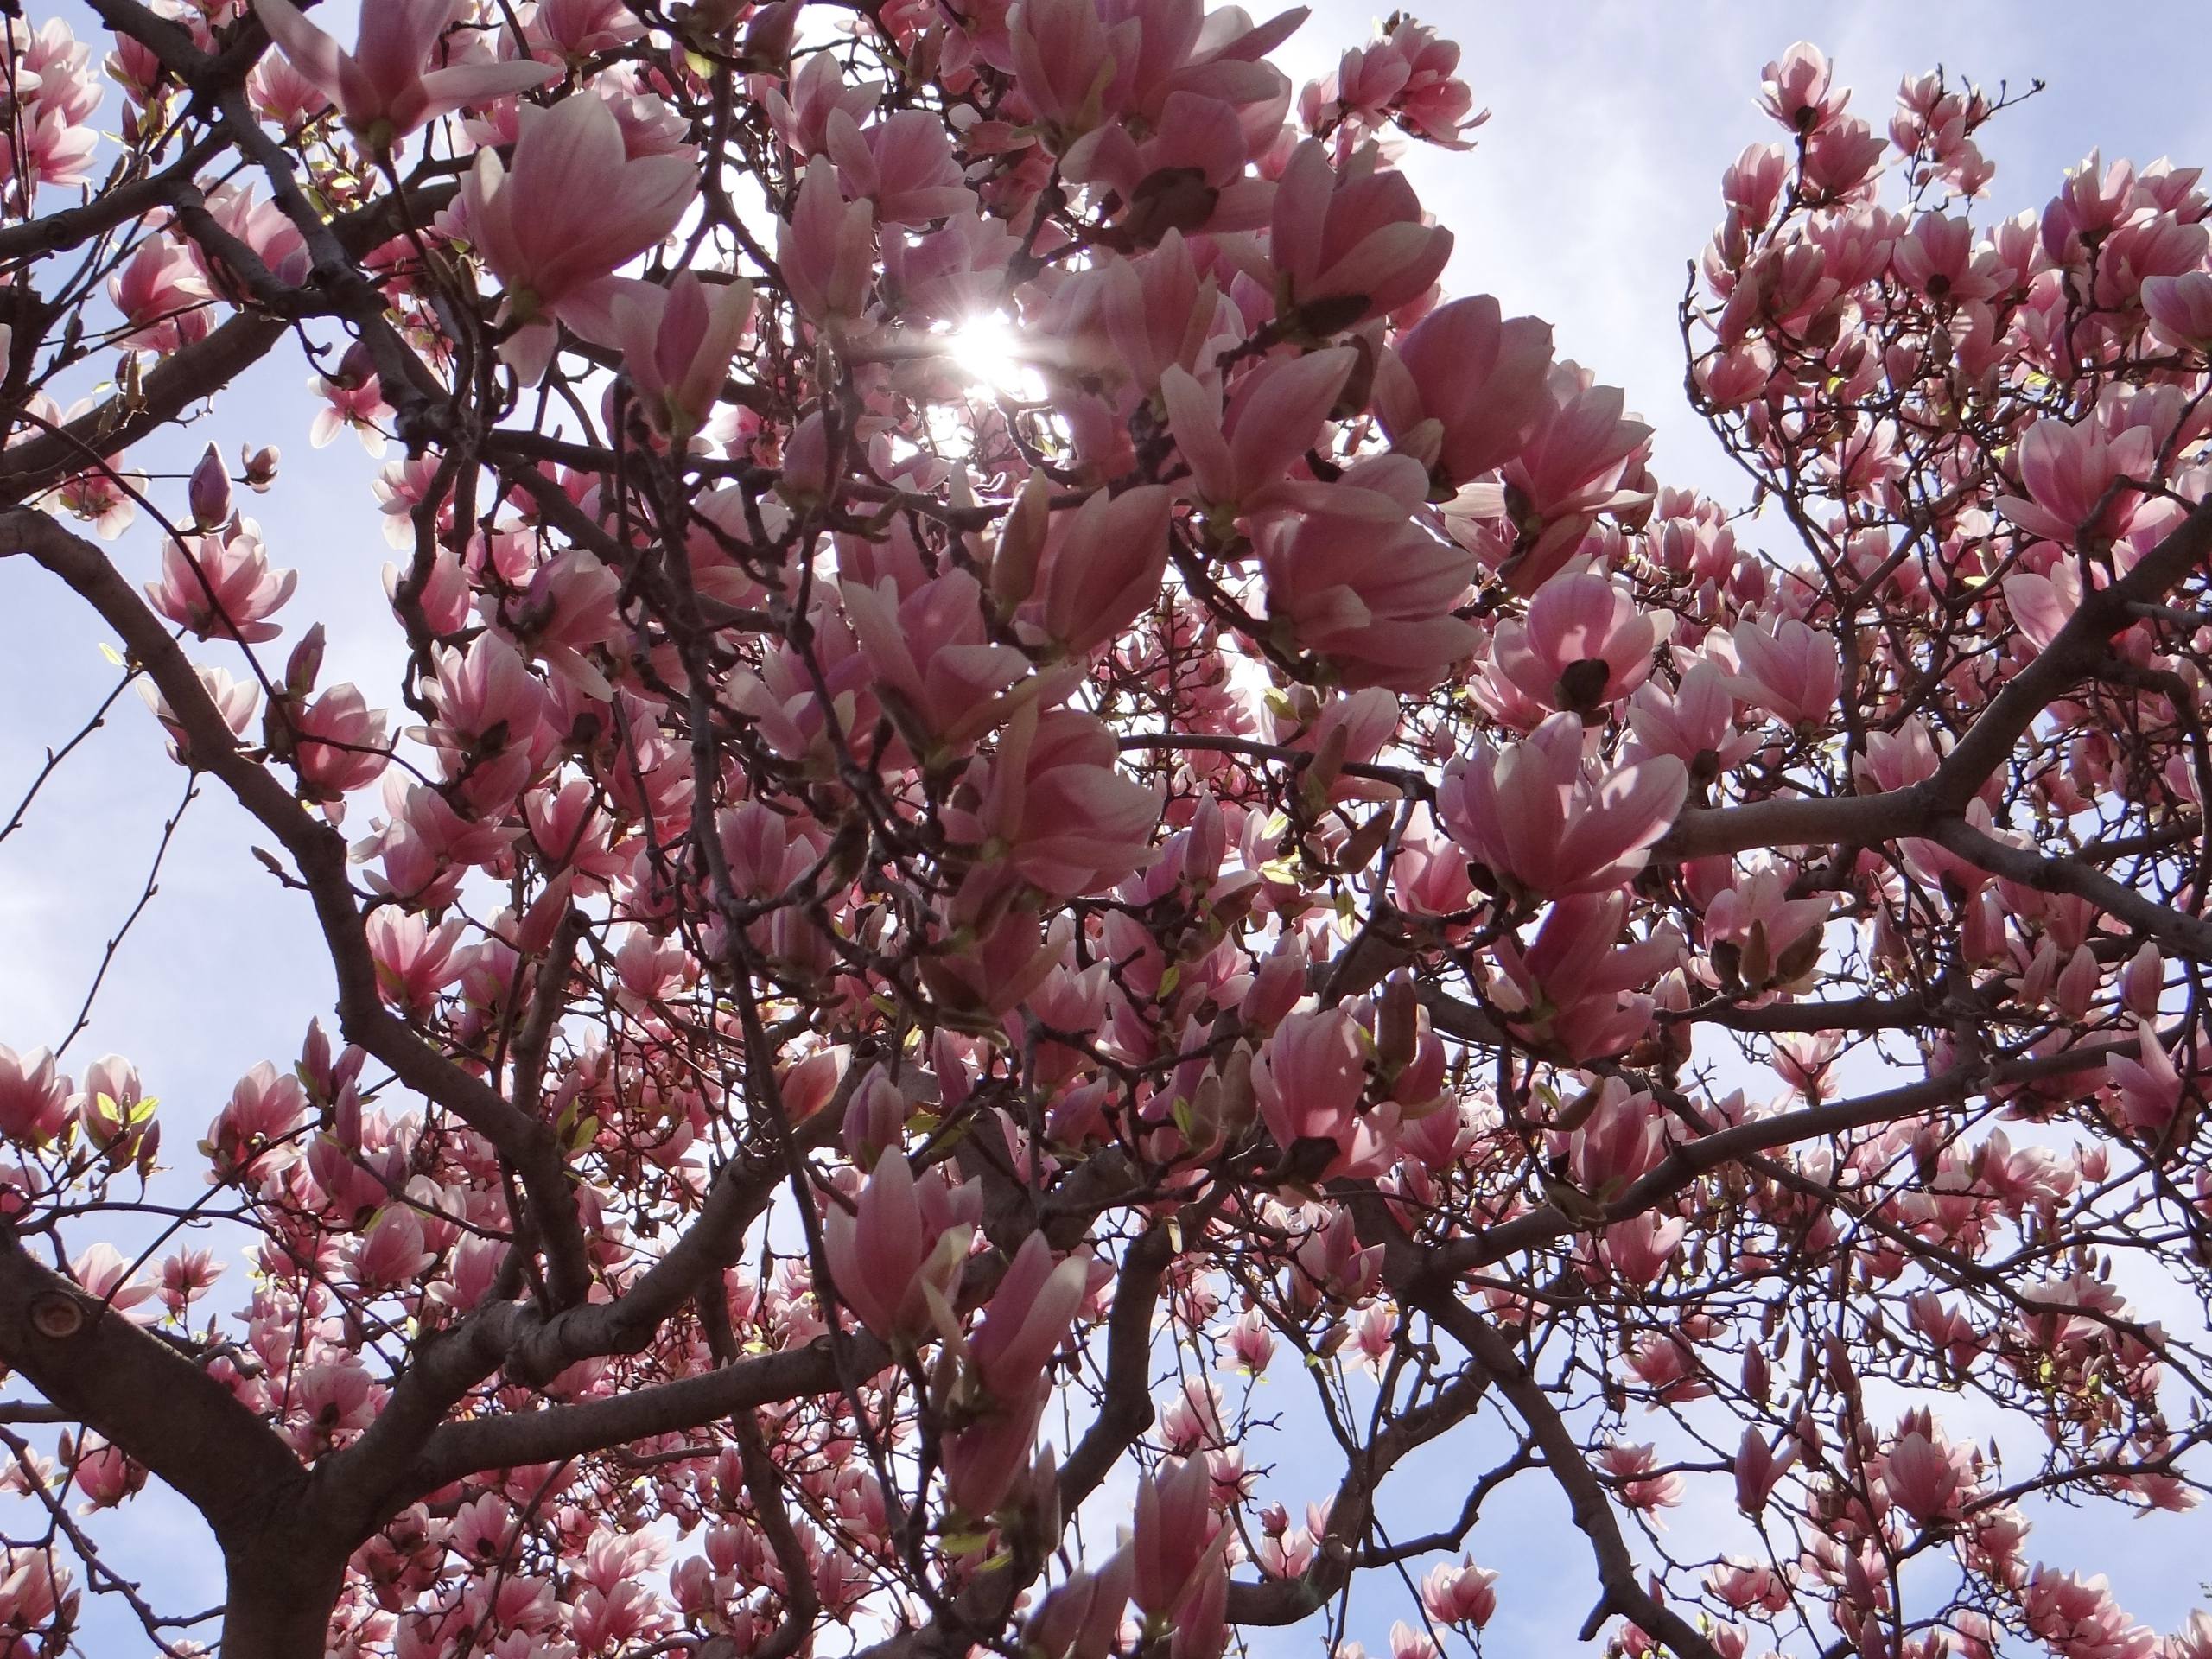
960	988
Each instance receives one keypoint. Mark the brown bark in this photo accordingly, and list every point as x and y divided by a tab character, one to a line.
278	1595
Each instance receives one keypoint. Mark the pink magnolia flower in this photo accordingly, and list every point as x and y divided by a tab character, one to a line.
112	1109
984	1460
1585	645
414	961
219	585
1158	312
1082	1618
1198	1627
937	671
1276	987
1574	461
1803	1059
885	1257
1695	722
34	1589
1432	100
1351	245
391	1252
1100	567
208	491
573	210
1925	1478
826	251
1633	1472
2148	1092
2180	309
2041	606
1666	1370
1798	91
339	746
1188	171
1900	758
2080	1618
162	296
818	91
235	700
902	166
1251	1343
1407	74
486	694
2142	982
1239	456
1053	804
1639	1249
1569	991
331	1399
1788	668
996	973
56	149
1745	1585
875	1118
262	227
34	1097
953	273
100	499
249	1137
1376	599
1333	1266
1465	1594
1065	56
1841	157
354	397
281	94
1533	814
577	28
1939	257
1752	185
1759	937
105	1475
1176	1535
380	86
2072	474
427	846
1308	1081
105	1272
1027	1318
2094	199
677	343
1464	390
569	608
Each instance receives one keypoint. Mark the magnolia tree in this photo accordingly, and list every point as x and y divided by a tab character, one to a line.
1081	1011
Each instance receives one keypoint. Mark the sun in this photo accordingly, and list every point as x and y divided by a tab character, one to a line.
992	353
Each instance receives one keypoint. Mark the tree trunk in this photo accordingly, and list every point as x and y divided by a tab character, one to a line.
278	1599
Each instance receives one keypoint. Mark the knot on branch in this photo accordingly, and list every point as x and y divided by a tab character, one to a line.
58	1315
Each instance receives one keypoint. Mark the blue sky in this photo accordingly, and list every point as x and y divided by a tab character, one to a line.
1593	183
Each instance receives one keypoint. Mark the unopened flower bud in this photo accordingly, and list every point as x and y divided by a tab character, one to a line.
1021	540
355	370
768	36
305	665
806	478
208	492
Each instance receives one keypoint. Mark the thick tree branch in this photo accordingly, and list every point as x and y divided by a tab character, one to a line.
103	1371
1869	820
514	1439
